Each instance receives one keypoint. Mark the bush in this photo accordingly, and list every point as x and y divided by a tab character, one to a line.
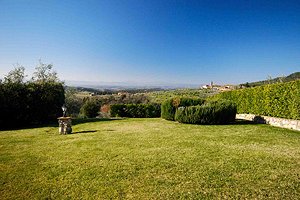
117	110
222	112
276	100
45	101
135	110
168	110
90	109
168	107
30	103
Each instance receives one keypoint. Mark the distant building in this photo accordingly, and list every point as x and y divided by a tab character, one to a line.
227	88
122	93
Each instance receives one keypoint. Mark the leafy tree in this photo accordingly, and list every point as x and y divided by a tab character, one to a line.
44	73
90	109
17	75
73	103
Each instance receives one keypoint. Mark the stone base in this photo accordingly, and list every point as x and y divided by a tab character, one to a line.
274	121
65	125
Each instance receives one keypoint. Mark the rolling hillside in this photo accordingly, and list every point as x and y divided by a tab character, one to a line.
291	77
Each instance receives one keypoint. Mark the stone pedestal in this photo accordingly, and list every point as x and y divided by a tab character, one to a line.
65	125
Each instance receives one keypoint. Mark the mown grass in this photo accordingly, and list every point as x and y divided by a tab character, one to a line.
150	159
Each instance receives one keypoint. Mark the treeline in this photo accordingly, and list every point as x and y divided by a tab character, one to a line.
283	79
91	106
35	101
30	103
276	100
116	91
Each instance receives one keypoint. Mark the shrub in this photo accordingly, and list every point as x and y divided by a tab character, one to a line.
117	110
135	110
168	107
90	109
168	110
276	100
221	112
152	110
30	103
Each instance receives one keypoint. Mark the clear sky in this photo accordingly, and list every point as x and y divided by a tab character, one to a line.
143	41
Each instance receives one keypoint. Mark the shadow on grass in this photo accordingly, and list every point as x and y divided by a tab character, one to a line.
53	124
28	126
243	122
82	121
92	131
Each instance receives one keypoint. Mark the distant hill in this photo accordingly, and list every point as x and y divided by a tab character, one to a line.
291	77
112	91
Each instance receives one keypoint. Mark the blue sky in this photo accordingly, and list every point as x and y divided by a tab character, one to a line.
152	41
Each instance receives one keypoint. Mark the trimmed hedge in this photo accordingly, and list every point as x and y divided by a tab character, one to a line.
168	107
135	110
275	100
30	103
221	112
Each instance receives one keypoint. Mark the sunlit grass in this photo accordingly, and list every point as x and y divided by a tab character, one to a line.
150	159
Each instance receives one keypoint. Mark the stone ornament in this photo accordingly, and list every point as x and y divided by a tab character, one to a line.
65	125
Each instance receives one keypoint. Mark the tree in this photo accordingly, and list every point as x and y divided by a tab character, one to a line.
72	102
90	108
44	73
17	75
269	79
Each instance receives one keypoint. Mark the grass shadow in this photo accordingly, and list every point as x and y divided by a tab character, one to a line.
54	124
91	131
51	124
243	122
82	121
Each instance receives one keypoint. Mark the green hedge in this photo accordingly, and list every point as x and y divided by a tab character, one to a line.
276	100
135	110
220	112
169	107
30	103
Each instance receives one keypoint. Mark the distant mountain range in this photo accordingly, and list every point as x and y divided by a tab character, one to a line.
291	77
119	86
116	86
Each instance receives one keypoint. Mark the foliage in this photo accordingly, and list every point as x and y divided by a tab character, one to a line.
29	103
90	108
217	112
72	102
135	110
17	75
168	107
276	100
44	73
291	77
161	96
168	110
120	99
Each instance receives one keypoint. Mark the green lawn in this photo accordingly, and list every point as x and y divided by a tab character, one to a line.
150	159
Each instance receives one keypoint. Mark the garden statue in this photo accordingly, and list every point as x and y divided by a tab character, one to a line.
64	122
